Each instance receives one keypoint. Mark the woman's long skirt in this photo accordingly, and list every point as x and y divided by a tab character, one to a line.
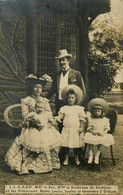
23	161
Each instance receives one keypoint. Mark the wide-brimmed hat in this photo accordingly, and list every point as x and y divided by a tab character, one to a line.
32	79
76	89
63	53
98	103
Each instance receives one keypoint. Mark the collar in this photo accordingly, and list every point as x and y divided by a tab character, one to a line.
35	97
66	69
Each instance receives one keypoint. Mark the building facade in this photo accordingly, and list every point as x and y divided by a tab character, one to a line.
32	32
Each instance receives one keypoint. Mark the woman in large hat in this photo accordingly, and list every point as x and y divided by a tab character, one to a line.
98	127
20	157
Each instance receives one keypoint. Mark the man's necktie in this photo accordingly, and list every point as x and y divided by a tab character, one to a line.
64	72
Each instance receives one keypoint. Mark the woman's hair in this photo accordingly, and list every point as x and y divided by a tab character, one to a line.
72	92
31	85
94	108
31	82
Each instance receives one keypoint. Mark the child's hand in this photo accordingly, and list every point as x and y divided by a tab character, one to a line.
58	119
102	134
32	118
24	124
29	115
39	128
94	133
80	130
53	121
91	127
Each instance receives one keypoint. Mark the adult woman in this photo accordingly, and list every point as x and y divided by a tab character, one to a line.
19	157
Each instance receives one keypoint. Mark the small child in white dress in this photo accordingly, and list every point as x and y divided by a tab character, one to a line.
73	117
40	134
98	127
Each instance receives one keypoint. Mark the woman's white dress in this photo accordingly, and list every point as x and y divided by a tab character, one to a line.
42	155
72	115
99	125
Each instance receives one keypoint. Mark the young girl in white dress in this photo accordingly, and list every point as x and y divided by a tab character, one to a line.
98	127
73	117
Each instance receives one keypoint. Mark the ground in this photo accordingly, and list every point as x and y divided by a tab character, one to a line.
70	175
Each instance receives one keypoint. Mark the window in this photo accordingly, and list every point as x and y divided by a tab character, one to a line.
54	33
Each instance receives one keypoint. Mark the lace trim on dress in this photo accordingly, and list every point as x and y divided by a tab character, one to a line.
39	149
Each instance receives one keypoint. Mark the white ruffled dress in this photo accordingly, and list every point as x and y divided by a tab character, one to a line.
43	138
99	124
72	115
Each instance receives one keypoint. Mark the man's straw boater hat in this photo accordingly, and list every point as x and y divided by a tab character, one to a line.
63	53
76	90
98	103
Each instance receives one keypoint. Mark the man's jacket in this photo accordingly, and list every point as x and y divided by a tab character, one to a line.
74	77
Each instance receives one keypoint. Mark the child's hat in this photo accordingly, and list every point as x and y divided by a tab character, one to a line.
98	103
77	91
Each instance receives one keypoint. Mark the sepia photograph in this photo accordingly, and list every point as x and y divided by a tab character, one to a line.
61	97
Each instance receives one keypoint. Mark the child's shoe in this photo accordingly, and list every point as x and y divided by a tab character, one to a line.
65	162
77	160
90	159
96	160
78	163
23	173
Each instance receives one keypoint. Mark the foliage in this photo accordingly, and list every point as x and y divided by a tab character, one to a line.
105	57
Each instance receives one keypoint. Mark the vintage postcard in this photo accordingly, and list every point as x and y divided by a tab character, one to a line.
61	97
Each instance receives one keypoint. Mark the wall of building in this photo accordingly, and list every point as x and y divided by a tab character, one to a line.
13	63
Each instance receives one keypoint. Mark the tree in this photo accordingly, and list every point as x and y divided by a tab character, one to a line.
105	57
